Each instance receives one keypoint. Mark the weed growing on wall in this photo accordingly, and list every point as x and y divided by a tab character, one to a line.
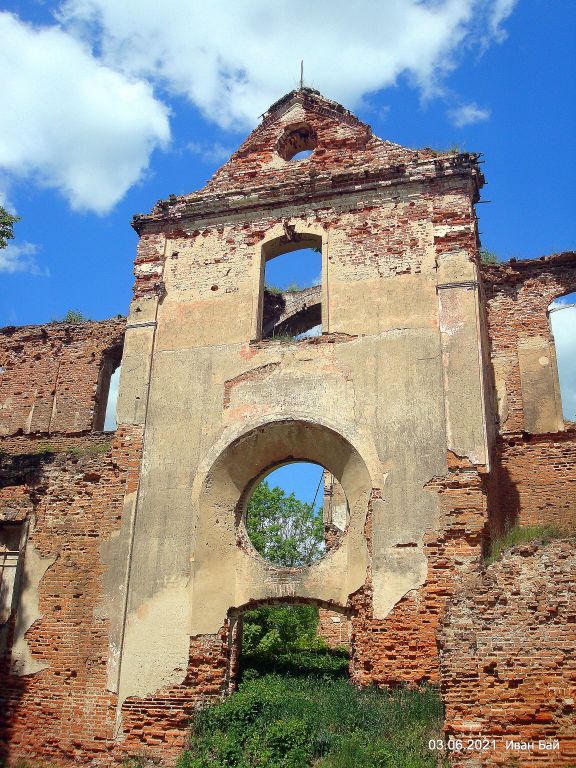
522	535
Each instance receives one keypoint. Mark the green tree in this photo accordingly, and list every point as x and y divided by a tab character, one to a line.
279	628
283	529
7	222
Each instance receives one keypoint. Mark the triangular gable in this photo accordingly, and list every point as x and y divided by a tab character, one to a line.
304	119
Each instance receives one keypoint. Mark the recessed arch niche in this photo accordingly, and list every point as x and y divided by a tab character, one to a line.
239	574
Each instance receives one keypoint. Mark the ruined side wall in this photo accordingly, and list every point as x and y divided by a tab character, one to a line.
63	486
507	657
534	469
53	673
518	294
537	479
49	375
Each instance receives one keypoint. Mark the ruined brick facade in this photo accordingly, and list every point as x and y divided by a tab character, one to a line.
507	659
431	396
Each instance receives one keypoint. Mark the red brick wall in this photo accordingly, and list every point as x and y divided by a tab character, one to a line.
158	725
403	647
507	657
534	475
64	711
518	294
49	377
334	627
538	479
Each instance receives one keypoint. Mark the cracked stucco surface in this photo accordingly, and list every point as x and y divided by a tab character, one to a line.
379	403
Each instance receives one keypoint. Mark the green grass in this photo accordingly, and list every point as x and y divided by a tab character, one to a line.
91	449
45	447
292	288
523	534
286	722
488	257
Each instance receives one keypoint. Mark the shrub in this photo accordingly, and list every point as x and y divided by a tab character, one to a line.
279	627
282	639
282	722
325	663
488	257
72	316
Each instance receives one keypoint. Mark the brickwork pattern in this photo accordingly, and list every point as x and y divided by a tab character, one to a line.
49	375
507	657
64	711
157	726
403	647
334	627
538	479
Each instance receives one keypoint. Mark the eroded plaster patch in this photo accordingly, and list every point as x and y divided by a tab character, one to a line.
400	572
35	566
156	642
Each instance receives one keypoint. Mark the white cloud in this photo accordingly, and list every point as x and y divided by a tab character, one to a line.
210	153
232	60
468	114
68	121
20	258
563	323
500	11
79	110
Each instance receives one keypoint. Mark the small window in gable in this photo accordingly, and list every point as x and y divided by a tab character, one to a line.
297	142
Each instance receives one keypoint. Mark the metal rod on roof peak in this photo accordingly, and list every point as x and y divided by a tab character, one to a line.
301	74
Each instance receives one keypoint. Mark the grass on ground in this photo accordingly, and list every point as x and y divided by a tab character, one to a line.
286	722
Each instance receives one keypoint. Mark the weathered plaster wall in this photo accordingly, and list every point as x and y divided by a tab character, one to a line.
406	639
507	658
394	381
209	380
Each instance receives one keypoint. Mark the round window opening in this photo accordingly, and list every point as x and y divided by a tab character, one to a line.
297	143
296	513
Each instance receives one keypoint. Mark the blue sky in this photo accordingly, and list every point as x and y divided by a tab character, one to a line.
303	479
108	106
